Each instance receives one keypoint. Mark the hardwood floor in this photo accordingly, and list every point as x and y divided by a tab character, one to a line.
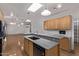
13	45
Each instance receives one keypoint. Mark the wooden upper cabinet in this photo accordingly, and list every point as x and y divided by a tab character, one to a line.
1	15
50	24
63	23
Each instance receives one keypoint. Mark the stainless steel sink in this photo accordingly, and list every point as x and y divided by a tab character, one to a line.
34	38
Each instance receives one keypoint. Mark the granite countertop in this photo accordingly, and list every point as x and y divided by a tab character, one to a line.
47	44
60	36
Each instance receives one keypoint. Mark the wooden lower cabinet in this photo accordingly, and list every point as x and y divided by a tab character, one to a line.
32	49
65	43
28	47
53	51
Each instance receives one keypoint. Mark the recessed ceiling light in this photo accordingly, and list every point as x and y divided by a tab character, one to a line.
34	7
46	13
59	5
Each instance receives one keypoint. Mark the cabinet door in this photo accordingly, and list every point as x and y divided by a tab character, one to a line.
59	25
46	24
67	22
50	24
64	23
64	43
53	24
26	46
30	47
53	51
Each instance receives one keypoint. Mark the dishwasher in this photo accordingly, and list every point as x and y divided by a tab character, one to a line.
38	50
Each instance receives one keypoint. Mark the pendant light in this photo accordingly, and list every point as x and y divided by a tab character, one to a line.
46	12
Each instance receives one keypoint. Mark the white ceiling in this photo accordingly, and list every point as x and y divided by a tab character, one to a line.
20	10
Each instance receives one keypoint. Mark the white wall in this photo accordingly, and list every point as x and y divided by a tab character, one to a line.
13	29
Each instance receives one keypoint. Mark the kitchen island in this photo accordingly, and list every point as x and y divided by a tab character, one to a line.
40	46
